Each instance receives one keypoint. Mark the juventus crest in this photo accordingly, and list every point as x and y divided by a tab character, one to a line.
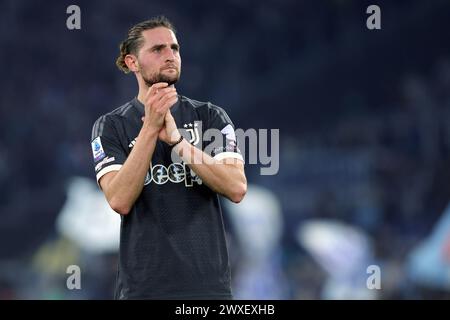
193	129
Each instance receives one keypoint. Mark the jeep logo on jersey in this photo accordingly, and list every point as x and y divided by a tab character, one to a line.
193	130
175	173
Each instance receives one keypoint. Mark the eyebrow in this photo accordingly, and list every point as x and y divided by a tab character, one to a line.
161	46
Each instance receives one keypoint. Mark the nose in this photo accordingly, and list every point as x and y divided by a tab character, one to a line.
170	56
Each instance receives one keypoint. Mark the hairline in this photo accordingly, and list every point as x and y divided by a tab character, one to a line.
156	44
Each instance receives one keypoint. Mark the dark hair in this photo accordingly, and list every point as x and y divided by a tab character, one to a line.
134	39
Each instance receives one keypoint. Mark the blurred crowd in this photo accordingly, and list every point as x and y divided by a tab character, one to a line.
364	120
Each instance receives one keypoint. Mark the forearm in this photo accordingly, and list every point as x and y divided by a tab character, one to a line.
127	184
226	179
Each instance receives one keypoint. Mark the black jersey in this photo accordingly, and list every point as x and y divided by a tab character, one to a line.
172	243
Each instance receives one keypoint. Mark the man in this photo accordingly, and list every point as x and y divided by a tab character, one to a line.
172	241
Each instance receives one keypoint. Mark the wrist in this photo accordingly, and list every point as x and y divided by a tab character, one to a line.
149	132
174	137
177	142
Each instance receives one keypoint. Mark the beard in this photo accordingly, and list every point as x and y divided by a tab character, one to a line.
160	77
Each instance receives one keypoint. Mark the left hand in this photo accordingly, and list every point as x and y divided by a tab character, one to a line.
169	132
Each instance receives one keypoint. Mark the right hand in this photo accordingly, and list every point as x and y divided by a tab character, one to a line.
160	97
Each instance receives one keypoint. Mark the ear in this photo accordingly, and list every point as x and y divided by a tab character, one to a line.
132	62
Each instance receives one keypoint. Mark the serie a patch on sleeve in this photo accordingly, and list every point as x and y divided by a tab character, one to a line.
97	149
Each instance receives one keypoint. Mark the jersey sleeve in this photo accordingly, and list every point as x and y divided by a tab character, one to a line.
227	147
107	149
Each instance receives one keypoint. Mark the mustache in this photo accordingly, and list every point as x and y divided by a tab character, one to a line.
170	66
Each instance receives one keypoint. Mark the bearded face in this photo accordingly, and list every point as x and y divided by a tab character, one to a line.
169	73
159	58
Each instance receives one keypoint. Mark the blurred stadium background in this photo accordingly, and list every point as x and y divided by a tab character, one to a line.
364	119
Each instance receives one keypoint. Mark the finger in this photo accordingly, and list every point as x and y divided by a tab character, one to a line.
155	88
168	102
163	92
168	115
167	96
159	95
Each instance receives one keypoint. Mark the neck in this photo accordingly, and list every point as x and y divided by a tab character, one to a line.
142	91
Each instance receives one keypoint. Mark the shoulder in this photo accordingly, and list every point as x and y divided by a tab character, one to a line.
208	109
108	119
